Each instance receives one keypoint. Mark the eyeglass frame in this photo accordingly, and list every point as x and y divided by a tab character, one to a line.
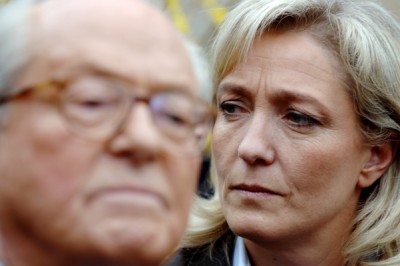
60	86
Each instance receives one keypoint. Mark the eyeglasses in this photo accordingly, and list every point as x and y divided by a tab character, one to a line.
97	108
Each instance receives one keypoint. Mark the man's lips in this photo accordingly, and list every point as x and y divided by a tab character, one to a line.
127	194
253	188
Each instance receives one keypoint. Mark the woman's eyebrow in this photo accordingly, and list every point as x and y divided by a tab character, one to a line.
283	95
232	88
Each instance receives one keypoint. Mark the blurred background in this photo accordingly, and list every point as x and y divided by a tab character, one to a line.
199	18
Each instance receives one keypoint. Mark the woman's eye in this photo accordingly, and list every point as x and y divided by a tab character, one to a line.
229	108
301	120
232	109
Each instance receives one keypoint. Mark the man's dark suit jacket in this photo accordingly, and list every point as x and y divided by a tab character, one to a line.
219	253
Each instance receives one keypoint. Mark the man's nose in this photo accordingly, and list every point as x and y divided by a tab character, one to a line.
257	145
139	137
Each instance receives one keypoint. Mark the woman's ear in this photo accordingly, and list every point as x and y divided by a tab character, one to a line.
380	159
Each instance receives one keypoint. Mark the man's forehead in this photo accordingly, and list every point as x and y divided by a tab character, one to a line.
117	35
60	16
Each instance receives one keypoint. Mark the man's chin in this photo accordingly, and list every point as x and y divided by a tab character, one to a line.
128	242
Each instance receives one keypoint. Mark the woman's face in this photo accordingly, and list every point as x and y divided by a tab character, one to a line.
287	143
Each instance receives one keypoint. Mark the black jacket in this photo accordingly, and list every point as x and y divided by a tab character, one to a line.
219	253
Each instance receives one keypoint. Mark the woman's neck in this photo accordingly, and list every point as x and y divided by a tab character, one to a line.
295	253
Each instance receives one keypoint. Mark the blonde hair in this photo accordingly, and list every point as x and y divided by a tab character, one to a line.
365	39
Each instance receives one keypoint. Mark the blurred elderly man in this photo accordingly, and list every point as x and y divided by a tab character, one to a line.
101	133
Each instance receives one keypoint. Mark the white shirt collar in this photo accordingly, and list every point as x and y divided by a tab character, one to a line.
240	255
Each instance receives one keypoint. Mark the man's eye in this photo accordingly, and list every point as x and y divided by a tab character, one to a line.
93	103
301	120
177	119
173	119
97	103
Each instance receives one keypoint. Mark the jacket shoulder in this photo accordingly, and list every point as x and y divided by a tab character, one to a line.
219	253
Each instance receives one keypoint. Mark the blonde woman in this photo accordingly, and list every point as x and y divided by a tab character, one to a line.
305	141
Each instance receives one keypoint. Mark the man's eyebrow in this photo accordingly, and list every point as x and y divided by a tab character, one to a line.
83	69
87	68
153	85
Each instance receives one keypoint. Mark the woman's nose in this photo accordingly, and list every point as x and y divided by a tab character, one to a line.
257	147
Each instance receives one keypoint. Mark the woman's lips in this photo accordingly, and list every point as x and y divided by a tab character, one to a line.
254	189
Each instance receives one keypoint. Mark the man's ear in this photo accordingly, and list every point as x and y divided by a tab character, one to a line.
380	159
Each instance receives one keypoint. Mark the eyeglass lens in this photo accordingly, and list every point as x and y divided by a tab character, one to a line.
96	107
